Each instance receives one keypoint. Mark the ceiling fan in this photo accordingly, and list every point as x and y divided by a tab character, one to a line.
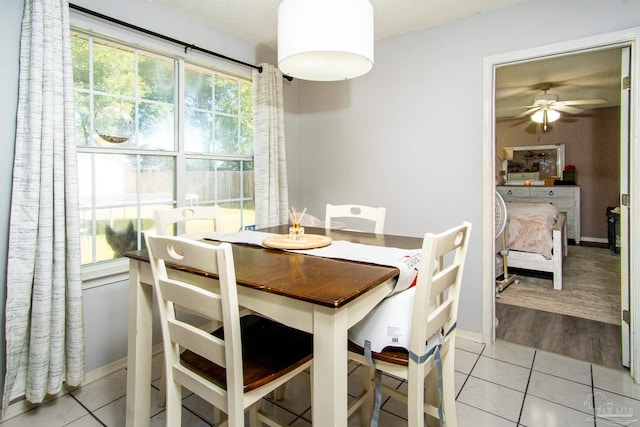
546	107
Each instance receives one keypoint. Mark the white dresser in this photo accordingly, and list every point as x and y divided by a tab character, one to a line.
566	198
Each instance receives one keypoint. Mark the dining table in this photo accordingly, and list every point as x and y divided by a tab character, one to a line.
319	295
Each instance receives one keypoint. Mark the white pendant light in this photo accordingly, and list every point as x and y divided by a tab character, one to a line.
325	40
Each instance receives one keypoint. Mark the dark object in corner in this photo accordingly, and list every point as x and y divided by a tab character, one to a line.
613	234
558	182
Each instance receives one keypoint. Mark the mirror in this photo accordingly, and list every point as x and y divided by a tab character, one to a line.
531	163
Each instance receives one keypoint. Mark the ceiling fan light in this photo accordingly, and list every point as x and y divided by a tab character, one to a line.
552	115
539	116
325	40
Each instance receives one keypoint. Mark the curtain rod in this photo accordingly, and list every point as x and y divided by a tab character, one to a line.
187	46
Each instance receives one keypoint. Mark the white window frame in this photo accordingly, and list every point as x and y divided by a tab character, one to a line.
107	272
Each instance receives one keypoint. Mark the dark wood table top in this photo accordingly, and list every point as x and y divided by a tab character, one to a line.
328	282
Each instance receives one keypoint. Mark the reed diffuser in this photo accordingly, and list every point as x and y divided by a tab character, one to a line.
296	232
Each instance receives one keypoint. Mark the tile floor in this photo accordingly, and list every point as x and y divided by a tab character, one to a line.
503	384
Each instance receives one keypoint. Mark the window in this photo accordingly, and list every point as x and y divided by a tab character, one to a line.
155	132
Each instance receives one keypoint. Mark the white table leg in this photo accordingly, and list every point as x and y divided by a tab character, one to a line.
139	350
329	367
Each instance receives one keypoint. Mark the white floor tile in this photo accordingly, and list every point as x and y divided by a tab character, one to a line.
277	412
297	397
511	353
459	378
86	421
489	397
198	406
102	391
563	367
490	383
115	413
302	422
58	412
468	416
559	390
503	373
472	346
188	420
386	419
464	360
539	412
157	366
611	407
615	380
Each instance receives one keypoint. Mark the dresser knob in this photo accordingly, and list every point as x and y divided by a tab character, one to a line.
551	193
509	192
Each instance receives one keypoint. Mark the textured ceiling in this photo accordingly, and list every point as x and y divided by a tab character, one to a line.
587	75
256	20
579	76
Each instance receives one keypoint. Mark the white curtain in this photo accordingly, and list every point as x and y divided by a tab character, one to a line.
44	321
270	163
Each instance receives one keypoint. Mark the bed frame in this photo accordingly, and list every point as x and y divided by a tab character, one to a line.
536	262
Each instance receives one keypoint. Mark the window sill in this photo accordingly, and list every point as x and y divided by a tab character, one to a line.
105	273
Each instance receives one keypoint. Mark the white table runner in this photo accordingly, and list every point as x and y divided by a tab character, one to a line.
405	260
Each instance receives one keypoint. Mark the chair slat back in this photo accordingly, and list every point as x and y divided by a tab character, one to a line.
195	339
187	219
376	215
219	304
438	286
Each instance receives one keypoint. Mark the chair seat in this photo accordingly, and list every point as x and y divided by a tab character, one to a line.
269	351
395	355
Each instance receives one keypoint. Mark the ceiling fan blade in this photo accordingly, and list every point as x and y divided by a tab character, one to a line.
565	108
585	101
519	122
503	110
528	112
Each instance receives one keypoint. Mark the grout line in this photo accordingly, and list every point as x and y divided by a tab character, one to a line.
88	411
526	389
593	397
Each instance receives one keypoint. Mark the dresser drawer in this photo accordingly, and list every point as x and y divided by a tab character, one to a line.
552	192
513	191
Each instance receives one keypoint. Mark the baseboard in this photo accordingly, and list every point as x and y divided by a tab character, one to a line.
594	240
21	406
470	336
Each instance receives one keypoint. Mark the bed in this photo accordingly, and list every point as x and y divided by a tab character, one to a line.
537	238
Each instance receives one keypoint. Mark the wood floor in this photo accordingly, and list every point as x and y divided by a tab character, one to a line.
583	339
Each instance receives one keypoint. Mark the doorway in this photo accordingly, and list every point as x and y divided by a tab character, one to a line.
609	41
580	94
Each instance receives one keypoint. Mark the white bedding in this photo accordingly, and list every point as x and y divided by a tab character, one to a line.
530	227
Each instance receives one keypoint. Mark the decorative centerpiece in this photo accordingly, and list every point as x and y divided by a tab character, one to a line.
296	239
296	233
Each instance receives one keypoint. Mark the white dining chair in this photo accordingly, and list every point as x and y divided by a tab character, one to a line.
195	222
359	212
428	362
239	363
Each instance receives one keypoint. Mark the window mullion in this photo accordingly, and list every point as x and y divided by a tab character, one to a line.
181	162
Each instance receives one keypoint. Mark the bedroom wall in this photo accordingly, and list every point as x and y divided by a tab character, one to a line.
408	135
592	144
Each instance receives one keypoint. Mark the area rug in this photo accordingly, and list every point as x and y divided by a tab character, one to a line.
590	290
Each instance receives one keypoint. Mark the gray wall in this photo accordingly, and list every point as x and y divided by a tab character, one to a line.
408	135
10	23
